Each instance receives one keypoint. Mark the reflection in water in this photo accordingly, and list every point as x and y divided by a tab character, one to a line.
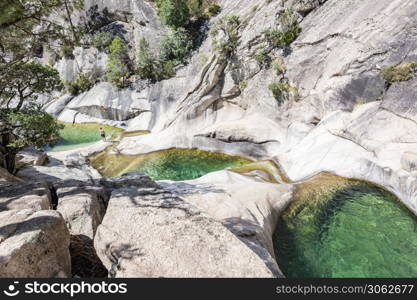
173	164
345	228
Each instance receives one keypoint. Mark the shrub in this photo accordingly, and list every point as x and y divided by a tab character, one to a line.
213	9
243	85
102	40
67	51
81	84
279	69
262	57
174	13
280	90
401	72
281	38
176	47
225	33
203	8
119	65
146	66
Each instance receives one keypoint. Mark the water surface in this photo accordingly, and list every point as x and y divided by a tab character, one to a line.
172	164
342	228
74	136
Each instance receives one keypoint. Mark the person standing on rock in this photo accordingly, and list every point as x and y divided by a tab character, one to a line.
102	133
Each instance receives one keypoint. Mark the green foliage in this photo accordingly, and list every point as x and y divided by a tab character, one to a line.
401	72
213	9
119	64
67	51
243	85
25	81
146	63
263	58
176	47
30	126
288	32
203	8
102	41
26	27
22	122
80	85
225	34
174	13
280	90
279	69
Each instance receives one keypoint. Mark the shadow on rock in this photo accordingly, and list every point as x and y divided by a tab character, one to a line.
84	260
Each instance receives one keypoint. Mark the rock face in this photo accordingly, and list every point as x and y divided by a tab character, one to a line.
82	207
247	206
340	116
25	196
33	244
148	232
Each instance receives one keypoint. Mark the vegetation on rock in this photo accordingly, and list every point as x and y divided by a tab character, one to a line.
401	72
286	34
225	34
174	13
102	41
280	90
119	64
83	83
176	47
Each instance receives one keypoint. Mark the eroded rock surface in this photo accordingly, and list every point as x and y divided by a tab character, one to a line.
149	232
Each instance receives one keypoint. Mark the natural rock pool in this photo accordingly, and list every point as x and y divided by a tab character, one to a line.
172	164
345	228
74	136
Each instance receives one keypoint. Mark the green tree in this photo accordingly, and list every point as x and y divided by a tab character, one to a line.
176	47
102	40
25	27
146	63
119	65
174	13
22	121
225	33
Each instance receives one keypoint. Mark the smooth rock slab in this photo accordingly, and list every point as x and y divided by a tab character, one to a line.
148	232
33	244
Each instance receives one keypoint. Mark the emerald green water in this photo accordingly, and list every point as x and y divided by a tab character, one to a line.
74	136
356	230
173	164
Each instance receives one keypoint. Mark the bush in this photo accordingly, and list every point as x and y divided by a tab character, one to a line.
146	64
176	47
263	59
402	72
203	8
213	10
225	33
281	38
119	65
279	69
81	84
174	13
280	90
102	40
67	51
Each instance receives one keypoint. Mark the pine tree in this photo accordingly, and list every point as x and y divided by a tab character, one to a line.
118	66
